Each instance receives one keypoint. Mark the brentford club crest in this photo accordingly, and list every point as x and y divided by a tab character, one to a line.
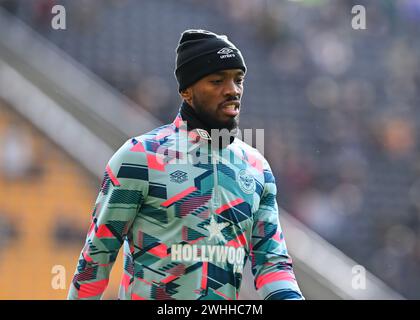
246	182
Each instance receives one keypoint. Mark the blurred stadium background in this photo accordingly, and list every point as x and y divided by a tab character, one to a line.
340	109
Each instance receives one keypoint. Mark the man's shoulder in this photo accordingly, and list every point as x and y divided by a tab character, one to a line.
253	154
157	133
154	137
134	147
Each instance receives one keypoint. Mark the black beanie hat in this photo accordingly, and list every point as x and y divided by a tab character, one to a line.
201	52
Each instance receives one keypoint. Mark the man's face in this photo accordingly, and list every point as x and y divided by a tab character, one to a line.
216	98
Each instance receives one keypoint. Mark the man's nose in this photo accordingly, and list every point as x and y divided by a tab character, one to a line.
232	89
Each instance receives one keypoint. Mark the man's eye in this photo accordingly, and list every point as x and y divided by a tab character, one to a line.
216	81
240	80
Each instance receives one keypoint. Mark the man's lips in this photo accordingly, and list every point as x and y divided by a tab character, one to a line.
230	108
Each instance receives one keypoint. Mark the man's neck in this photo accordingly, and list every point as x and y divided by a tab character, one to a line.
192	119
190	116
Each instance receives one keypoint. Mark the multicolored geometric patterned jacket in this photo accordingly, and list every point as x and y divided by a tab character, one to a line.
189	217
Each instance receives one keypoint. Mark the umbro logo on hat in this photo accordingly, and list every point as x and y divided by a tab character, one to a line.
226	53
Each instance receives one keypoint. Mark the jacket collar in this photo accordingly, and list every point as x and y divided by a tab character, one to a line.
187	119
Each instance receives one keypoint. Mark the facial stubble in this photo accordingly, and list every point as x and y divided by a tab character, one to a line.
209	119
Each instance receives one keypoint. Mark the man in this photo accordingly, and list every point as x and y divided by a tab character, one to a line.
190	208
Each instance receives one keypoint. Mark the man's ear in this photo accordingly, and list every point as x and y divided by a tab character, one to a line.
186	94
